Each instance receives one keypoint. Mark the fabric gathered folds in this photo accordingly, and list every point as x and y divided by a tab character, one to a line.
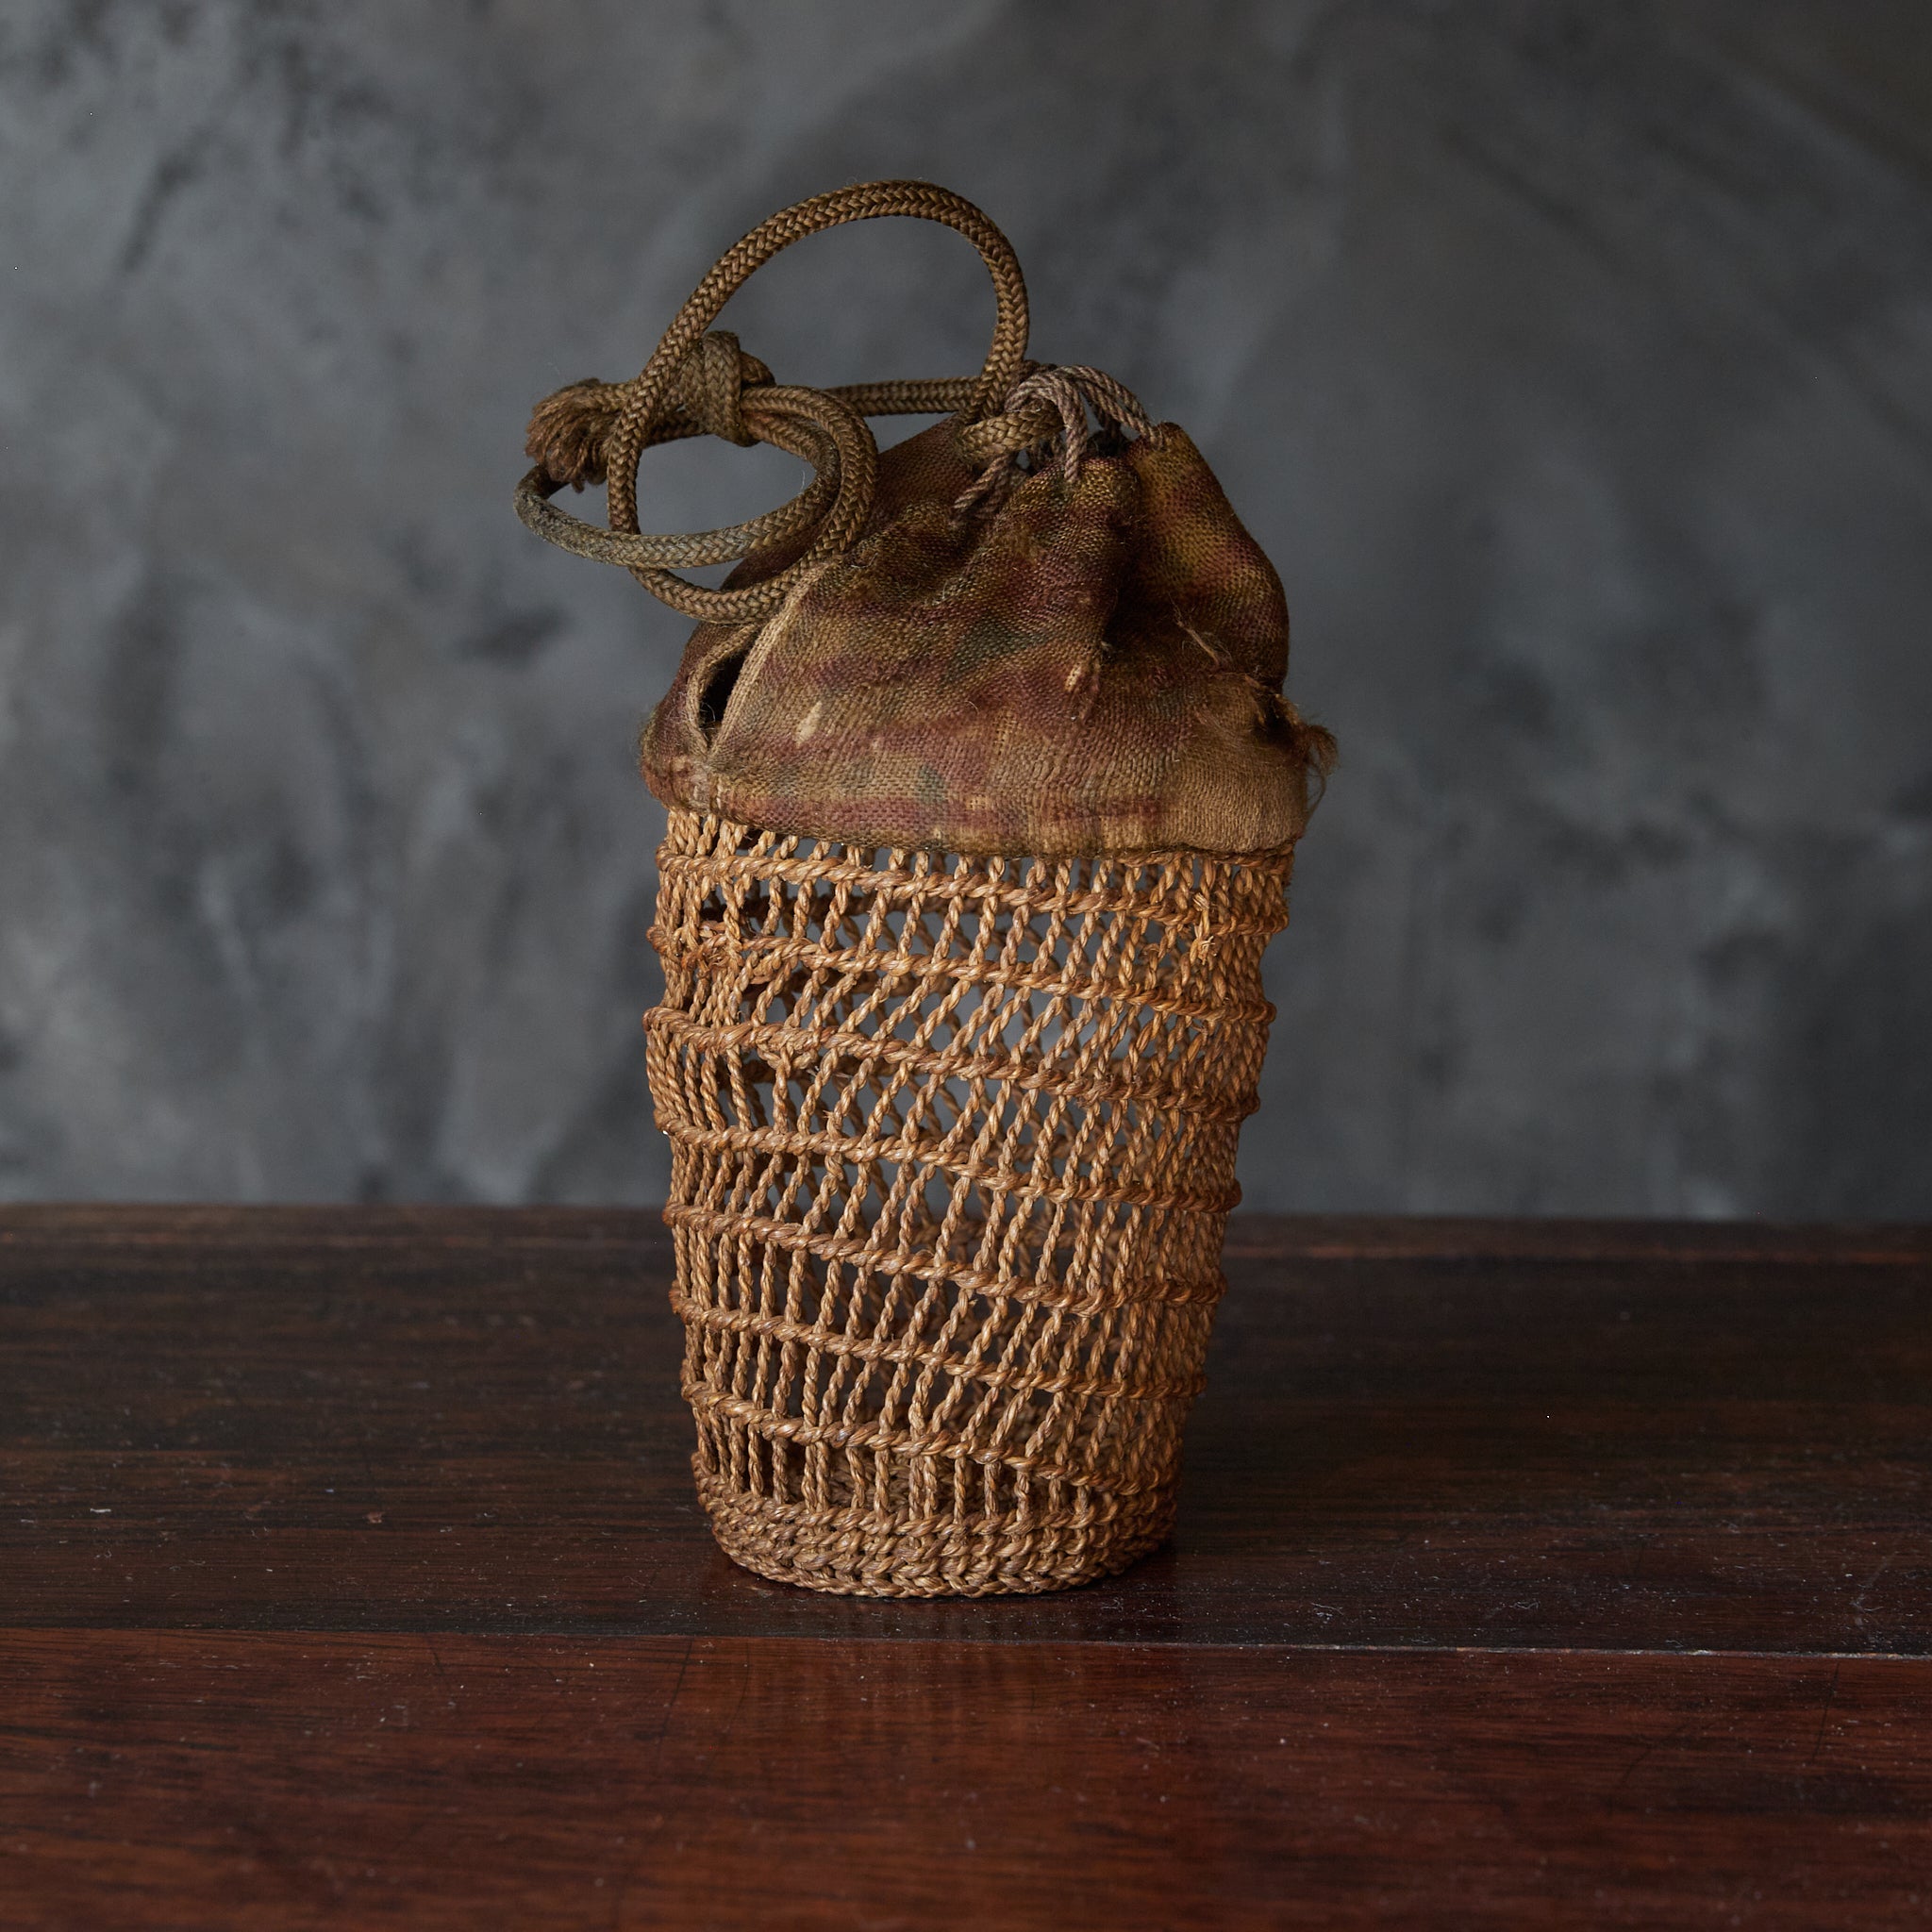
983	797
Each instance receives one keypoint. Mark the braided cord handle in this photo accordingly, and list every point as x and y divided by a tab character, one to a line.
697	381
870	202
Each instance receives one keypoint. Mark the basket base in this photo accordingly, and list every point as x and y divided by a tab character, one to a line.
850	1553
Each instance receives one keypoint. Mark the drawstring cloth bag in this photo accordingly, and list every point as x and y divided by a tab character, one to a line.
983	796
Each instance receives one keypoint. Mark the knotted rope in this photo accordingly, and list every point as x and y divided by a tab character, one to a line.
1069	390
699	382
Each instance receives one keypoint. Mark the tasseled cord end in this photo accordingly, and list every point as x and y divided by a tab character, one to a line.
569	431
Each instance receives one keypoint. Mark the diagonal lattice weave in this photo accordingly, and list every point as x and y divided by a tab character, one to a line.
953	1150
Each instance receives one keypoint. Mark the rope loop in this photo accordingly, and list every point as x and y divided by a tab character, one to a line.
698	381
1048	405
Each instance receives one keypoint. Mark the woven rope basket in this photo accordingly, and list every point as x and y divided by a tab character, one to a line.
952	1149
983	794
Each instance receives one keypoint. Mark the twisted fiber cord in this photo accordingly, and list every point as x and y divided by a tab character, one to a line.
570	430
999	887
667	382
712	398
926	1265
698	381
1010	1067
933	1444
1068	391
567	437
799	438
948	1191
769	955
873	201
905	1349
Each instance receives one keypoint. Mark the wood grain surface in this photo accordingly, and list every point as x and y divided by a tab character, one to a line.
1527	1573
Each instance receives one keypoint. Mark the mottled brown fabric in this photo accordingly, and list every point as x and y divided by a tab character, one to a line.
1090	666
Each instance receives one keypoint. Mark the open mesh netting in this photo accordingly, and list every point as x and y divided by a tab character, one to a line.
953	1150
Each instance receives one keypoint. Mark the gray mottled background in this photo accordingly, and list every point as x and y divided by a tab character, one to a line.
1572	361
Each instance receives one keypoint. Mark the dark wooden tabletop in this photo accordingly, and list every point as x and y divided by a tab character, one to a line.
1527	1574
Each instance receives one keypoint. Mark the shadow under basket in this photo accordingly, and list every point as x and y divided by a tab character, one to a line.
953	1153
